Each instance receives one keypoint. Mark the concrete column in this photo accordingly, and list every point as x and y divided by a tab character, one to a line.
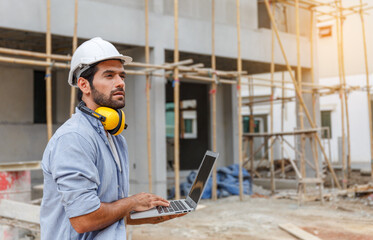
234	124
136	134
158	114
306	77
224	122
158	6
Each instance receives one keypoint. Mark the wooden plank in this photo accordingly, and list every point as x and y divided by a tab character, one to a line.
20	211
295	168
297	232
20	166
310	180
297	132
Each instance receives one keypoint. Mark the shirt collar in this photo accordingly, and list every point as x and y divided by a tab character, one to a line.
95	123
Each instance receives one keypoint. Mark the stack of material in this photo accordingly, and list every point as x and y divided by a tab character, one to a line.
227	183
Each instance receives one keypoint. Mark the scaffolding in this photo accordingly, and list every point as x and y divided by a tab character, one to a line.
179	70
337	12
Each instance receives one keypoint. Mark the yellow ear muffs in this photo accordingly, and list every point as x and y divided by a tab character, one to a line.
114	121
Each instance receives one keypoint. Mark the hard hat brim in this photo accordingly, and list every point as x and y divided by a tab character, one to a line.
124	59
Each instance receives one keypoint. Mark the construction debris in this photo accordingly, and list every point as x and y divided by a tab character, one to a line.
297	232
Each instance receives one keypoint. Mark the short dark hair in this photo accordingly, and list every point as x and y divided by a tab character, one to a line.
89	75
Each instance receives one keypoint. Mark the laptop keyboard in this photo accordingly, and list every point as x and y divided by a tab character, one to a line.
176	206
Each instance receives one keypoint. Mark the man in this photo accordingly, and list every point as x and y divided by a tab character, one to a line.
85	167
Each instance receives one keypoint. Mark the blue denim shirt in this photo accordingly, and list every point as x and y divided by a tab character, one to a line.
79	173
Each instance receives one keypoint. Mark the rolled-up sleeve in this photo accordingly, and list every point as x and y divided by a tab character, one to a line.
75	173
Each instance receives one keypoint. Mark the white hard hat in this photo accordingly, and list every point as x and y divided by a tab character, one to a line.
90	52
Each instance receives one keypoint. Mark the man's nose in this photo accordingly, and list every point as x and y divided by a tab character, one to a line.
119	82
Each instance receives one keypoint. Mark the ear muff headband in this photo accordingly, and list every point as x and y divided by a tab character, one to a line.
113	120
82	107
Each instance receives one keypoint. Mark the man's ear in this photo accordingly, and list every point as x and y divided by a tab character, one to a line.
84	86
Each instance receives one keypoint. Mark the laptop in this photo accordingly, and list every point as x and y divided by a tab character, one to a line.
190	203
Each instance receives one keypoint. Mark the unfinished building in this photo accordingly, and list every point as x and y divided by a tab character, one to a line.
192	59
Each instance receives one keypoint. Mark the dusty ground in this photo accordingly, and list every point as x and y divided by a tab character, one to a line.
258	218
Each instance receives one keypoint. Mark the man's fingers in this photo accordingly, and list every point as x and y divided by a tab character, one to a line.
162	203
146	201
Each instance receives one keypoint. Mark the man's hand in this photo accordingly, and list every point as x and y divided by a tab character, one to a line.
153	220
108	213
145	201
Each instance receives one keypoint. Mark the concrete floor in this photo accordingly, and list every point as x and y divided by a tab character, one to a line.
259	219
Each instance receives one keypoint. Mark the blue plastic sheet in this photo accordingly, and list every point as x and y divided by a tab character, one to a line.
227	183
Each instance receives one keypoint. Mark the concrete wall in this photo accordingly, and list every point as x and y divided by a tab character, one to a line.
17	130
359	120
126	25
353	45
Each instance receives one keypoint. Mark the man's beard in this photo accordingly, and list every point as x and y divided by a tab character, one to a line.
103	101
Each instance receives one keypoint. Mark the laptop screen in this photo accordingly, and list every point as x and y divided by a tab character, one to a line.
202	177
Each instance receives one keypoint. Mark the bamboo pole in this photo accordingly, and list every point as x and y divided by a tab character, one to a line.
213	94
300	110
289	133
288	99
299	77
313	142
134	72
148	129
346	101
34	62
207	79
297	91
176	102
272	170
26	53
48	73
346	14
276	86
252	130
286	2
202	72
166	66
75	46
282	125
338	25
273	140
280	81
239	69
368	87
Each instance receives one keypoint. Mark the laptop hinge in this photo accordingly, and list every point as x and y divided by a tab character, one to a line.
191	202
